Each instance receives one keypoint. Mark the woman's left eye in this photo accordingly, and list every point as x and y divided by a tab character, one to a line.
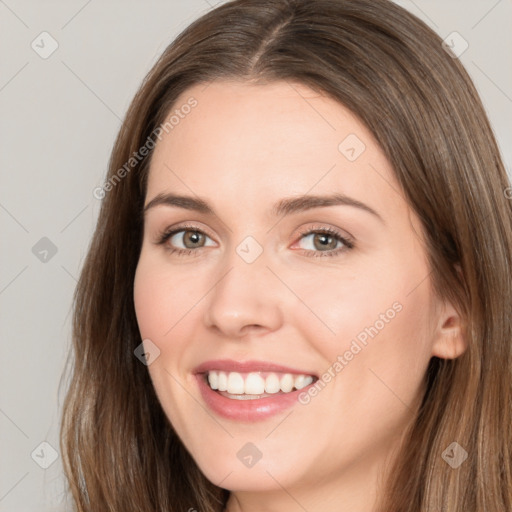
319	242
325	242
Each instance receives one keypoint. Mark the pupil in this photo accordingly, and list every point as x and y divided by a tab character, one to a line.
193	236
324	239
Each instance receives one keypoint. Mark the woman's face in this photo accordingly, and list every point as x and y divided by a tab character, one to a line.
260	280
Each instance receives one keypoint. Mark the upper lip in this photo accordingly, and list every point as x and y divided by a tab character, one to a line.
229	365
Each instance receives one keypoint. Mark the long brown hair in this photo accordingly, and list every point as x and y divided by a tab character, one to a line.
119	450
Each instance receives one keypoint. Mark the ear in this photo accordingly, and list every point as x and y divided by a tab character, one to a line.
449	337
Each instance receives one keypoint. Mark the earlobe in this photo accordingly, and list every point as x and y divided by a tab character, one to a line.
450	340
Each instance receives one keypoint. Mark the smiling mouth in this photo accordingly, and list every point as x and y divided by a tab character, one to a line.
255	385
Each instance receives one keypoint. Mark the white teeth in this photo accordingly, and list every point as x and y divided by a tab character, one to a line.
213	380
302	381
287	382
235	384
272	383
254	384
223	381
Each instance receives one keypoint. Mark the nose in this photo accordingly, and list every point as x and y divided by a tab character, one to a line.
246	299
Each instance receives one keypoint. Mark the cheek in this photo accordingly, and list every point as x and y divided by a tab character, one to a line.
150	301
162	297
384	358
164	306
377	321
341	303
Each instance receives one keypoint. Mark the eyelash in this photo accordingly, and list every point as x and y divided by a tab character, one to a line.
348	244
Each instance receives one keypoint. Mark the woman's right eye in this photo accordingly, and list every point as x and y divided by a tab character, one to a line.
190	239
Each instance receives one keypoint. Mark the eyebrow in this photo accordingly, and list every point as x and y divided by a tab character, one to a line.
286	206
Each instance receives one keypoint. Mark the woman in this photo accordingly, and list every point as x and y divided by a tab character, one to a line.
217	365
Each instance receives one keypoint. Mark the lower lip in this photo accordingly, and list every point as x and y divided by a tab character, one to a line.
247	410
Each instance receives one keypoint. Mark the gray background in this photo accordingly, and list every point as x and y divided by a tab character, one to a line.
59	118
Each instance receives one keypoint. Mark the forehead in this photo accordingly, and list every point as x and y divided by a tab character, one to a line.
259	142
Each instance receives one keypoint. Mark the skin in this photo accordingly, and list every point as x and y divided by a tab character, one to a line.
242	149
